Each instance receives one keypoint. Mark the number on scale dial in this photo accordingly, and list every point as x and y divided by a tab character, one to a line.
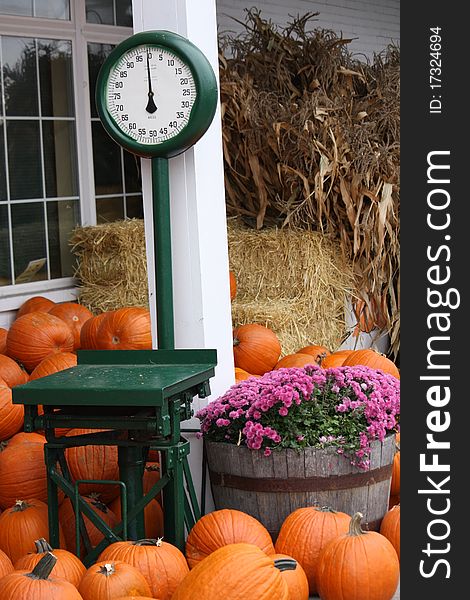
150	94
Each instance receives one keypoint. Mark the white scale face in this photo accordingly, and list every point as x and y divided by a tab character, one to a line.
150	94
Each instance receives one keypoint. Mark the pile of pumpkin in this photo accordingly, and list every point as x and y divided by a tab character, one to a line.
229	555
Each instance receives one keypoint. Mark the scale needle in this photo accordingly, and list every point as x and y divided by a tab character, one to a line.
151	107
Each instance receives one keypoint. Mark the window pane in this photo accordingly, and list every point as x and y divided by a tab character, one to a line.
52	9
29	239
60	158
124	13
106	162
109	210
132	172
99	11
5	271
3	179
24	162
96	57
20	76
16	7
56	78
62	218
134	207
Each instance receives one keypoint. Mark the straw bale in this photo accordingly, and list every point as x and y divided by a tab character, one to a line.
294	281
112	265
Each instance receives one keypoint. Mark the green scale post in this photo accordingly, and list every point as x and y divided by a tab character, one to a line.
156	96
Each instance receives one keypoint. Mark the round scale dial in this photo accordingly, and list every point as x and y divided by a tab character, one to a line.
150	94
156	94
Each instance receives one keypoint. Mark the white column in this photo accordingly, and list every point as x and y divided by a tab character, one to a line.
198	219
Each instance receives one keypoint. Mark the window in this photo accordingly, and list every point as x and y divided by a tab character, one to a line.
58	169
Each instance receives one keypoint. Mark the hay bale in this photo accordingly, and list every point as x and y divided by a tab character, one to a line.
112	265
294	281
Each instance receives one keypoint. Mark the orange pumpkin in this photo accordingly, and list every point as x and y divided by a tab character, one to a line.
390	527
305	532
3	340
295	360
296	579
75	315
318	352
222	527
35	304
335	359
21	525
233	285
11	372
358	565
234	572
256	348
54	363
89	330
23	470
125	329
162	564
68	566
93	462
241	375
373	359
107	579
37	584
67	521
35	335
6	566
11	415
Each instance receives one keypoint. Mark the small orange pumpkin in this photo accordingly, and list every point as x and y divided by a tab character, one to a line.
373	359
162	564
125	329
305	532
21	525
11	372
358	565
35	304
256	348
38	584
318	352
58	361
35	335
6	566
390	527
241	375
295	360
222	527
68	566
335	359
108	579
75	315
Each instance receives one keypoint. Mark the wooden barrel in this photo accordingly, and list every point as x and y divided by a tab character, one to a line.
271	487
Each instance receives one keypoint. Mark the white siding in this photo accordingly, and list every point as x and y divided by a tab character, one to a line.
375	23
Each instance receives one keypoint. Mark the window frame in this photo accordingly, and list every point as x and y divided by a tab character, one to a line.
80	33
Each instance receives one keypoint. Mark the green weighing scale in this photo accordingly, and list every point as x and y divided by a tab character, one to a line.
156	96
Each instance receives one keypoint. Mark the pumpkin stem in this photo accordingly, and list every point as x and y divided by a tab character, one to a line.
20	506
285	564
107	569
148	542
42	546
96	502
236	341
355	525
44	567
326	509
